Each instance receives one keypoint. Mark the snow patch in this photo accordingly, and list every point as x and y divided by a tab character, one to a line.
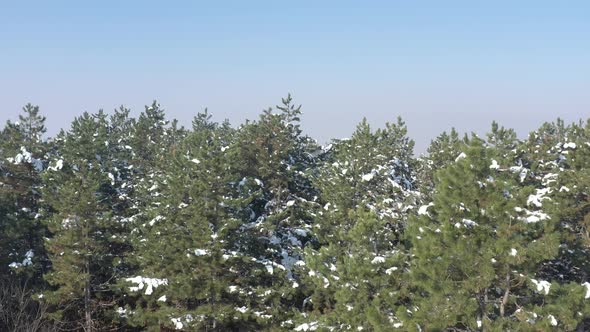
58	165
537	198
112	178
307	327
269	268
542	285
368	176
378	260
469	223
151	283
587	285
26	157
177	323
570	145
423	210
522	174
494	164
536	216
156	219
26	262
122	312
201	252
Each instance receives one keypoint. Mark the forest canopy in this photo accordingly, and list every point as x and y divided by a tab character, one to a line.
124	223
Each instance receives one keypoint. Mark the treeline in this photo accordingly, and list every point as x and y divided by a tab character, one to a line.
133	224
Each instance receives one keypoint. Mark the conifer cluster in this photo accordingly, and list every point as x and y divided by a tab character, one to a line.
124	223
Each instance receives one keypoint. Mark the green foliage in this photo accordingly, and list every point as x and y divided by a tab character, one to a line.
443	151
85	202
22	151
479	244
123	223
366	188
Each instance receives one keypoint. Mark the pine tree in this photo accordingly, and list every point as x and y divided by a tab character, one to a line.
366	189
194	230
442	151
561	162
273	161
83	203
138	224
22	152
476	248
22	258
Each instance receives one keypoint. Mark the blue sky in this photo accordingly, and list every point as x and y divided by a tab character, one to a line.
438	64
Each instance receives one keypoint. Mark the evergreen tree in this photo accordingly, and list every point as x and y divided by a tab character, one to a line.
274	160
477	246
84	203
561	162
22	258
22	152
204	286
442	151
367	189
139	224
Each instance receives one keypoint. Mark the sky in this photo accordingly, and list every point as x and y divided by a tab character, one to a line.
437	64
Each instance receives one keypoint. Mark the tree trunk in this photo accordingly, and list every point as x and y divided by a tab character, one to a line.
87	313
506	294
481	298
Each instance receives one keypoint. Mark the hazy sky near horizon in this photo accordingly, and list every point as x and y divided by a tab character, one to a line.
438	64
